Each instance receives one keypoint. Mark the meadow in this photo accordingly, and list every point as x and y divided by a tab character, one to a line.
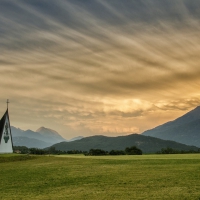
100	177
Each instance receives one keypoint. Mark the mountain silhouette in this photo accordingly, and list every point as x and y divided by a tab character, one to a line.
185	129
146	143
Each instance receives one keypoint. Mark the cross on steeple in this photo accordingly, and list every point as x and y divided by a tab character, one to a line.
7	103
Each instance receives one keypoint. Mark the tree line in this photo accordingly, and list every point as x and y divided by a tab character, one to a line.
92	152
128	151
169	150
97	152
37	151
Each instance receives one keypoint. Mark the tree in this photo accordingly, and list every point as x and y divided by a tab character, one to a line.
52	150
117	152
133	151
97	152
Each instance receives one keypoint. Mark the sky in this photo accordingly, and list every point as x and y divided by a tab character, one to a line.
98	67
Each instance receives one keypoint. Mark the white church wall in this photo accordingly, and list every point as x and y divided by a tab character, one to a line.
6	142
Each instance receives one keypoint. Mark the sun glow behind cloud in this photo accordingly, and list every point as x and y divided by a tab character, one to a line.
99	67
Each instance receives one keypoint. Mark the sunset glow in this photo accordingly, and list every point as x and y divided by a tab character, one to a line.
98	67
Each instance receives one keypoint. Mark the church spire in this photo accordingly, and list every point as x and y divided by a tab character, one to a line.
7	103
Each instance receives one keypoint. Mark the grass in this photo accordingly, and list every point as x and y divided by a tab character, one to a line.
103	178
15	157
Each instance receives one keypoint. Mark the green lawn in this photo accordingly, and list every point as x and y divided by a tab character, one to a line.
107	177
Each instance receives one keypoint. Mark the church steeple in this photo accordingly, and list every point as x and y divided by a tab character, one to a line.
6	142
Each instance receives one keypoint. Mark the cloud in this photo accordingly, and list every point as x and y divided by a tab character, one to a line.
179	104
94	66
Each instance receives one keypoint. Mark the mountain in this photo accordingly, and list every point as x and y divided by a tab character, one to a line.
145	143
76	138
42	138
185	129
30	142
17	132
49	133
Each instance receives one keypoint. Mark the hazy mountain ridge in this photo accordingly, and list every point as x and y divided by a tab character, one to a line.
30	142
49	138
41	138
16	132
185	129
146	143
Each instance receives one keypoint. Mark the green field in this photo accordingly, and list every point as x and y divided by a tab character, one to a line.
105	177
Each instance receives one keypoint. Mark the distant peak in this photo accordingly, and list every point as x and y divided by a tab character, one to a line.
41	128
49	132
46	130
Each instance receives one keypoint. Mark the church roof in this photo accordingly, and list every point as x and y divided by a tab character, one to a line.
2	123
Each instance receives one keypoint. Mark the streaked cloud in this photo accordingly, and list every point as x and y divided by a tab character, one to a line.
99	67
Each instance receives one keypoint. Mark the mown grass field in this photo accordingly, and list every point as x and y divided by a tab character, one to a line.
103	178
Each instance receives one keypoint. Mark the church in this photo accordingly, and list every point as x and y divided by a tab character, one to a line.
6	143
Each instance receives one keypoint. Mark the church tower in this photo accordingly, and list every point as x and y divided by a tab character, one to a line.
6	143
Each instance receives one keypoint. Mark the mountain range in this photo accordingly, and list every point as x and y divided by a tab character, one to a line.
185	129
41	138
146	143
176	134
